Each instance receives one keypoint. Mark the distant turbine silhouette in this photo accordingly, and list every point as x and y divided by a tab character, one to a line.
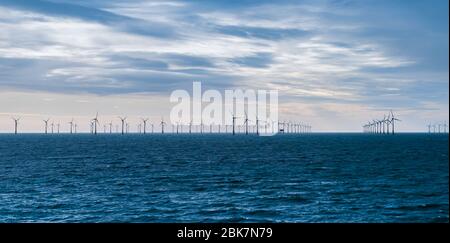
162	125
46	124
95	123
71	126
393	119
16	122
145	124
123	119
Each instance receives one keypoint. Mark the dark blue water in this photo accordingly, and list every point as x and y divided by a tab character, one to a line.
221	178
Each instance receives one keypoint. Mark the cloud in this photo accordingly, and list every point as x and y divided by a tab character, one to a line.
377	54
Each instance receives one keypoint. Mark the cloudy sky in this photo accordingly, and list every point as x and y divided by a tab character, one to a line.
336	63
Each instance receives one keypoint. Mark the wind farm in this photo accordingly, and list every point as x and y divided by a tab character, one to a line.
382	126
249	127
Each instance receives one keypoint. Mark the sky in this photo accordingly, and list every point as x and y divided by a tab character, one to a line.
336	63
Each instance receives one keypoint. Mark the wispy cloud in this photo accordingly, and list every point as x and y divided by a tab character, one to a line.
372	53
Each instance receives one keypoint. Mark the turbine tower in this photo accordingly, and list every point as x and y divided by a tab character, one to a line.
95	123
162	125
246	123
46	124
16	122
393	119
71	126
234	123
144	121
257	125
123	119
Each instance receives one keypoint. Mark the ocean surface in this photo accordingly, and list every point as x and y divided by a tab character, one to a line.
224	178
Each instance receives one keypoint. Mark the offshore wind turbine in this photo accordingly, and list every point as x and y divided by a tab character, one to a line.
257	125
234	123
16	122
58	125
246	123
144	121
393	119
71	126
383	122
123	119
46	124
95	123
110	127
162	125
52	126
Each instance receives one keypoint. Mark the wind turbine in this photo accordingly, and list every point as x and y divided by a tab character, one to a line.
46	124
95	122
110	127
71	126
123	119
257	125
234	123
393	119
429	128
246	123
162	125
58	125
52	126
145	124
384	124
16	121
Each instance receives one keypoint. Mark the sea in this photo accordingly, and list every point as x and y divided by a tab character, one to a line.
345	178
